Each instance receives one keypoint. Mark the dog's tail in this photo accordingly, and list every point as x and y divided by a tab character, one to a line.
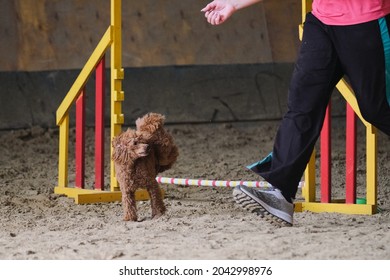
167	156
150	123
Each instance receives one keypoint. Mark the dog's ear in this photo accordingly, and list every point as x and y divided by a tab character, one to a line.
119	151
150	122
127	148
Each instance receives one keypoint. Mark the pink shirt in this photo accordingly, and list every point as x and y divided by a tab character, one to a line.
347	12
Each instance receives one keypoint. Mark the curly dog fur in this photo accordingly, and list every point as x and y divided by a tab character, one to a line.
139	155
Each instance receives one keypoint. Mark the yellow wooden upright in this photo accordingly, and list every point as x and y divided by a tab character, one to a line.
306	7
117	75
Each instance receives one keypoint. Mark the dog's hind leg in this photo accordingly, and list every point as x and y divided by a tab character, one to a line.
157	203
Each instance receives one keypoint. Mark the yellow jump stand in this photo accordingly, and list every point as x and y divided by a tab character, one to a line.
112	38
349	205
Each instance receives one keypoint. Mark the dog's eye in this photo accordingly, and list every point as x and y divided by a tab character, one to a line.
135	142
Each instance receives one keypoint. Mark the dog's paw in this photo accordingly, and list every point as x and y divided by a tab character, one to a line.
156	216
127	218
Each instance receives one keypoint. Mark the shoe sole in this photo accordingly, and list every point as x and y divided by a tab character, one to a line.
247	203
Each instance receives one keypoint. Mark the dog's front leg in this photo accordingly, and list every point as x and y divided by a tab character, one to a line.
129	206
156	201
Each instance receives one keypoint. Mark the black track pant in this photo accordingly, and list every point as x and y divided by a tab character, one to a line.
361	52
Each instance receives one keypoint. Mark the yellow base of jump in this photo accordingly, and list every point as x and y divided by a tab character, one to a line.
84	196
336	207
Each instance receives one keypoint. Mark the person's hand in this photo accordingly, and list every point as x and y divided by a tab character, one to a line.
218	11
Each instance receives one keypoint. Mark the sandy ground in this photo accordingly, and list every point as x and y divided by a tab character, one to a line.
201	222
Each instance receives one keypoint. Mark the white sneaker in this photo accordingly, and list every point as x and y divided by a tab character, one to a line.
269	204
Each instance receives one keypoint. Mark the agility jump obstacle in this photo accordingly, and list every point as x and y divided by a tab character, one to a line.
112	38
348	204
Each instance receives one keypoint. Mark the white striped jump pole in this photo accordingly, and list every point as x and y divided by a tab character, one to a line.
214	183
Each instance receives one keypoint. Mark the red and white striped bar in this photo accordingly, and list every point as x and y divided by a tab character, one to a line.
215	183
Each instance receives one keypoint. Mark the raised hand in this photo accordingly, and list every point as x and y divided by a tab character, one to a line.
218	11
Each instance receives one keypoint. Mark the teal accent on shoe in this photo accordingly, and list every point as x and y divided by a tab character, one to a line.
386	47
261	162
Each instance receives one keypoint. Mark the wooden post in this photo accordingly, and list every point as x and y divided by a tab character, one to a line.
371	166
80	140
117	75
309	189
306	7
63	152
350	156
99	125
326	153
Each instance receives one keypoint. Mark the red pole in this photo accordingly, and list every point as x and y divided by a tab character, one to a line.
80	140
326	176
99	125
350	156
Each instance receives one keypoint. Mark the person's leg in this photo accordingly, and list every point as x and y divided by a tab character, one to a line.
364	51
316	73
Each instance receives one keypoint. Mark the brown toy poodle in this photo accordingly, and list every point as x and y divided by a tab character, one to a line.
139	155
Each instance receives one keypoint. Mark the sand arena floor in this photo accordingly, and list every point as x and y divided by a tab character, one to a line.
201	222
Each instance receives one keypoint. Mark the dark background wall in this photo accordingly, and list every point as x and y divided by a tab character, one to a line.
175	63
57	34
